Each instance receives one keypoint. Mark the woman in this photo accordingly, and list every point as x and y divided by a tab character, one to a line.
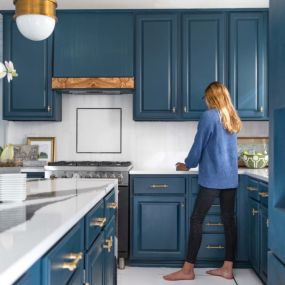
215	151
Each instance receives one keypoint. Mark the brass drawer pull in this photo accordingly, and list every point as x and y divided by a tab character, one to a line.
159	186
251	189
263	194
71	266
215	247
254	211
112	206
98	222
109	244
216	205
214	224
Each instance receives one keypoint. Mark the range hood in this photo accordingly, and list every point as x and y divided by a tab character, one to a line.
94	85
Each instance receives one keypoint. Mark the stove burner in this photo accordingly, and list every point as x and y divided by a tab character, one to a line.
91	163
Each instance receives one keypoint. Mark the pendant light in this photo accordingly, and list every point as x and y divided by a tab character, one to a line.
35	18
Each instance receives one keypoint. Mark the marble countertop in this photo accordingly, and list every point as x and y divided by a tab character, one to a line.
29	229
261	174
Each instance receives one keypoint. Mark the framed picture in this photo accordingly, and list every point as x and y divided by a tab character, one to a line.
46	147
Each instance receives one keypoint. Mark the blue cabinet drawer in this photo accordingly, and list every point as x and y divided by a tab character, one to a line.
214	209
159	185
252	188
63	261
212	247
110	206
95	220
263	193
213	224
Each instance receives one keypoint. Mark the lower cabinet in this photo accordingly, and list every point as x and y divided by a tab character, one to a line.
258	227
158	219
276	270
85	255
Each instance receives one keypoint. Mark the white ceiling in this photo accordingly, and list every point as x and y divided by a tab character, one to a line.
149	4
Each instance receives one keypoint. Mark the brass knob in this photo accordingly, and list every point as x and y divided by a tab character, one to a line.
109	244
112	206
261	109
49	108
254	211
98	222
182	205
173	109
185	109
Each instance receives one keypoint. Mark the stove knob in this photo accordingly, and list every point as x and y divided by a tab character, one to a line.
53	176
120	178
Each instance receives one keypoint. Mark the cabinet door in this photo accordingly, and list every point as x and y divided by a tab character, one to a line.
158	228
156	67
94	262
254	234
77	277
29	96
247	65
109	255
263	243
203	58
32	276
93	44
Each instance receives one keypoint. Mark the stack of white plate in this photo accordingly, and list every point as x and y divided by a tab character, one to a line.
13	187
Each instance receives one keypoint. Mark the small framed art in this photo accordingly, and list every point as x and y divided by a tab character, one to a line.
46	147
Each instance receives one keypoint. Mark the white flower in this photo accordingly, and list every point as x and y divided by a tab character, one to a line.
3	70
11	71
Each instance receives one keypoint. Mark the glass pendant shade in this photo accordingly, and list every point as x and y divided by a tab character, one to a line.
35	18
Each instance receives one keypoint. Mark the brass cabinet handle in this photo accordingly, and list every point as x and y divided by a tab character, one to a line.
251	189
112	205
267	222
261	109
216	205
71	266
49	108
109	244
182	205
173	109
215	246
209	224
185	109
254	211
159	186
263	194
98	222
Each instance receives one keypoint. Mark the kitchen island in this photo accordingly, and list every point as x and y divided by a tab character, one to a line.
29	229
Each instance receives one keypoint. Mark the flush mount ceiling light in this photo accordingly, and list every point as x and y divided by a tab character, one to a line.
35	18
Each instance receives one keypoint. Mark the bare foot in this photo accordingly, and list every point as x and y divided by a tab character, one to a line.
222	272
180	275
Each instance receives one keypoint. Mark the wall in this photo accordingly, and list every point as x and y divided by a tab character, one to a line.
146	144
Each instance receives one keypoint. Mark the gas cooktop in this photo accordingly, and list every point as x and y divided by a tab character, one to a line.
91	163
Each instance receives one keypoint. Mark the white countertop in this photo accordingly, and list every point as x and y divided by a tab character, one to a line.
56	213
261	174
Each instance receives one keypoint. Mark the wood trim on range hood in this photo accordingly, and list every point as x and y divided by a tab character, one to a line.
93	83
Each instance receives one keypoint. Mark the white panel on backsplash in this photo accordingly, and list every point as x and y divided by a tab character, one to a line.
148	145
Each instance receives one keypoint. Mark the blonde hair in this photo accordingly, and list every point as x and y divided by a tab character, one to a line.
218	97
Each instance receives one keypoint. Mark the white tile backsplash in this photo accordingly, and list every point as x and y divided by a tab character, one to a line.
147	144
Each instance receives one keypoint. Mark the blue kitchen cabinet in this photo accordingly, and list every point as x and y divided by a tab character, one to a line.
157	44
276	272
254	235
110	267
263	242
29	96
248	64
94	262
203	58
94	44
158	219
32	276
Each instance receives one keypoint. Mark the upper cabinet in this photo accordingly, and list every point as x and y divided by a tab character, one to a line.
156	67
93	44
203	58
28	96
248	63
230	47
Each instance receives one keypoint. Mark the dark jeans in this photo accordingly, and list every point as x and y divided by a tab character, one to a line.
203	203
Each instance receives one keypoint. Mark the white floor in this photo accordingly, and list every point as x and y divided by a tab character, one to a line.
153	276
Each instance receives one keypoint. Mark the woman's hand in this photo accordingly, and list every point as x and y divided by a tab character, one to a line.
181	166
